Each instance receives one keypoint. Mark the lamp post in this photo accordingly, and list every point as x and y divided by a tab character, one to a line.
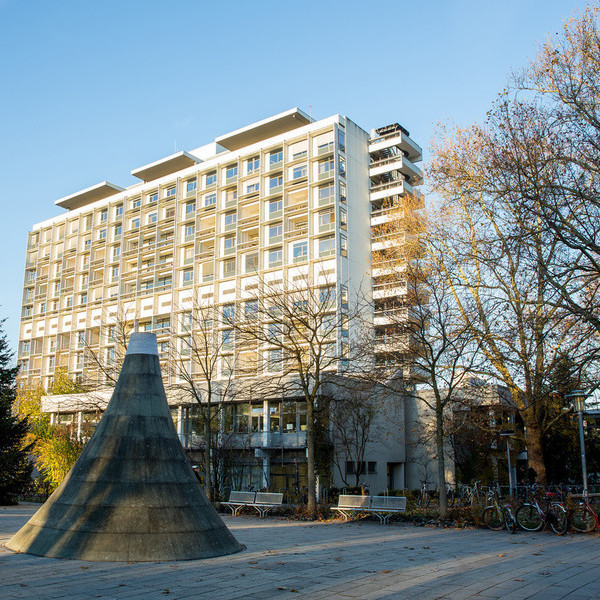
507	435
578	399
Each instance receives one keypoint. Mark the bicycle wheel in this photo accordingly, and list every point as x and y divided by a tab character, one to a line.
509	519
529	518
450	498
583	519
558	521
493	519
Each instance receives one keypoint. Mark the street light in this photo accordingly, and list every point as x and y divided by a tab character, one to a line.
578	399
507	435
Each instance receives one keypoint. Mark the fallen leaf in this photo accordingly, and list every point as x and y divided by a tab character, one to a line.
500	555
519	580
386	571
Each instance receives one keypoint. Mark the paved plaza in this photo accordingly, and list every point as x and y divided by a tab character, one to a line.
293	560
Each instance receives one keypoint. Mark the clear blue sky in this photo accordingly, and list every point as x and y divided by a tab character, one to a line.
90	90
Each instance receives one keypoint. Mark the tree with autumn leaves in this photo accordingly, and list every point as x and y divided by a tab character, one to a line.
516	237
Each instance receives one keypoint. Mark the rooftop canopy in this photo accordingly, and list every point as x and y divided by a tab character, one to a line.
265	129
165	166
89	195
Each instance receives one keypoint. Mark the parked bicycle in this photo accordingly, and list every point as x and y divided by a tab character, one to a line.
532	517
496	515
469	495
582	517
424	498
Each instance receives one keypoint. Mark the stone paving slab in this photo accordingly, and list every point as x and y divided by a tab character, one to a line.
290	560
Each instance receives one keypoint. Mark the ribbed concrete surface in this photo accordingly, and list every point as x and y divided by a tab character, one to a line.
132	495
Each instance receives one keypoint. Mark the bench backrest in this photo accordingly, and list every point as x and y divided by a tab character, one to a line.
246	497
354	501
391	502
268	498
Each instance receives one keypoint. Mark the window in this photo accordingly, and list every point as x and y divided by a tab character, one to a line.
342	140
342	164
327	295
163	324
274	416
190	231
118	211
251	262
230	220
253	165
210	199
170	193
275	183
83	298
325	168
343	217
326	246
102	234
275	232
115	273
230	197
153	197
275	158
251	309
325	194
186	321
326	220
228	312
190	186
152	217
117	232
343	192
274	363
136	203
188	277
300	251
25	347
343	245
275	258
275	208
229	267
372	467
231	171
163	348
274	332
103	216
190	208
163	282
299	172
135	223
211	178
229	244
227	338
252	187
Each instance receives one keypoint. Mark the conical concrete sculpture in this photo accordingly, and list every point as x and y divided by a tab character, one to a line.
132	494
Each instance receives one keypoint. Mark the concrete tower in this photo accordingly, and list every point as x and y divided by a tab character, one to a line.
132	494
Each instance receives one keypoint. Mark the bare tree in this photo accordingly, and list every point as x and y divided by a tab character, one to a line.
353	416
440	352
201	367
298	329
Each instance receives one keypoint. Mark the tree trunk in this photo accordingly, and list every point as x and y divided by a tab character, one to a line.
441	461
310	458
207	453
535	454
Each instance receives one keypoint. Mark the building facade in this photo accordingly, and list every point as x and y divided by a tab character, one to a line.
282	200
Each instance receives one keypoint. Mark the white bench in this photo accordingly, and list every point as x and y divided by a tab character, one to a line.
263	502
383	507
